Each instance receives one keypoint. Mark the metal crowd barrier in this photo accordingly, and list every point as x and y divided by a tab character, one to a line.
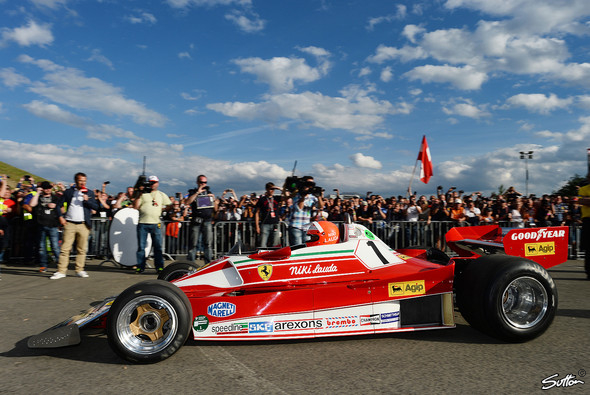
397	234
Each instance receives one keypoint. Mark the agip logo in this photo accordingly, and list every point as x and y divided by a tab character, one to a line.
407	288
538	249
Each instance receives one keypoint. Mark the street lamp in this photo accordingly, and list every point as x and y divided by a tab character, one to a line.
526	156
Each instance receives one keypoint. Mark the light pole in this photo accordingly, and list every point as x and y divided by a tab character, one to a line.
526	156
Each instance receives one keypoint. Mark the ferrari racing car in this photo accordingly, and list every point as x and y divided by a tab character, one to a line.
342	281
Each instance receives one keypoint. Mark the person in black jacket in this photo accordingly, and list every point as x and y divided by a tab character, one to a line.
46	215
78	202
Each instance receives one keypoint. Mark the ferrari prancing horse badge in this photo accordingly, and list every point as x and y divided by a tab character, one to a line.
265	271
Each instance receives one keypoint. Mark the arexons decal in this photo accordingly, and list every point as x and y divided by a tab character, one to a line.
298	325
221	309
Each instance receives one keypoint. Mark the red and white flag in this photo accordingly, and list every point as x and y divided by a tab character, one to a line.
426	162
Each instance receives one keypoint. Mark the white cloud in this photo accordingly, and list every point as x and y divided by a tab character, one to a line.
26	36
11	78
369	162
282	73
539	103
248	23
97	56
466	78
386	74
69	86
356	110
466	109
142	18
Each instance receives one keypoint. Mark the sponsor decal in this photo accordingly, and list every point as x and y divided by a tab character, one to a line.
342	322
388	318
369	235
310	269
221	309
537	249
260	327
538	234
298	325
406	288
373	319
265	271
230	328
404	257
201	323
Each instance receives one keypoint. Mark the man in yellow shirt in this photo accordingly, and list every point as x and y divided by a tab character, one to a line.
584	201
150	206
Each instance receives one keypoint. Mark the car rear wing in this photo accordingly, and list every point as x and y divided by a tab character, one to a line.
546	246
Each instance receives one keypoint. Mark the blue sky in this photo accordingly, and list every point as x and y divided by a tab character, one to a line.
241	89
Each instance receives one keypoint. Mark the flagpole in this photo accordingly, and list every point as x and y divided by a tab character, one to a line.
408	193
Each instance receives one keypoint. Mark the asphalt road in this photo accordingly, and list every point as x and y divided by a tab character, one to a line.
459	360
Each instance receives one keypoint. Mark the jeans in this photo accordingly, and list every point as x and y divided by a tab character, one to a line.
53	234
296	236
156	232
205	228
267	230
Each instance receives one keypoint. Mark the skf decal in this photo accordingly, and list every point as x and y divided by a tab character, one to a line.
221	309
342	322
260	327
265	271
200	323
406	288
536	249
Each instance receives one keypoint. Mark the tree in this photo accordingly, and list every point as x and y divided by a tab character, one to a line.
570	188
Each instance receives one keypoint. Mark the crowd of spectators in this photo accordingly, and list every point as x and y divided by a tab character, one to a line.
453	205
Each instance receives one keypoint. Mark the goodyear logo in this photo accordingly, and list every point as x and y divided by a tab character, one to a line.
406	288
536	249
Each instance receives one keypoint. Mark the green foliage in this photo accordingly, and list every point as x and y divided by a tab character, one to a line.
15	174
570	188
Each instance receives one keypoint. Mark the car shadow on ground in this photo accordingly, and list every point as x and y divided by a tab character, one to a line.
94	345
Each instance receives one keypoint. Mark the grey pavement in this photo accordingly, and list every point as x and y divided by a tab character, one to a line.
459	360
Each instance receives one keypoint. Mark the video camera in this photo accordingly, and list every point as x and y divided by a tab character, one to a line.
142	185
295	184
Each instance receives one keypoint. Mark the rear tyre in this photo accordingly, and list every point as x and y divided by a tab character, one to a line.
177	270
149	322
506	297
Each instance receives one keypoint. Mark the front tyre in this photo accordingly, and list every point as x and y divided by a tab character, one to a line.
510	298
149	322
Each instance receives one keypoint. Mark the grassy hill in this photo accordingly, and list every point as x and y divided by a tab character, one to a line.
15	174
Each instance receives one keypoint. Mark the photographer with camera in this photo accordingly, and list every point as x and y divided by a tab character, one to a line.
203	206
266	217
150	204
308	198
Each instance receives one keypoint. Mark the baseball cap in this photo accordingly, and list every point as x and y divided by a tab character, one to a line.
153	179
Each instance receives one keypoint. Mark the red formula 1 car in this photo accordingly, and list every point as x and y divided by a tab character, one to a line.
344	281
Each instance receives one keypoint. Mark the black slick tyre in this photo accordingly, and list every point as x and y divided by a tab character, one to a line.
149	322
509	298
